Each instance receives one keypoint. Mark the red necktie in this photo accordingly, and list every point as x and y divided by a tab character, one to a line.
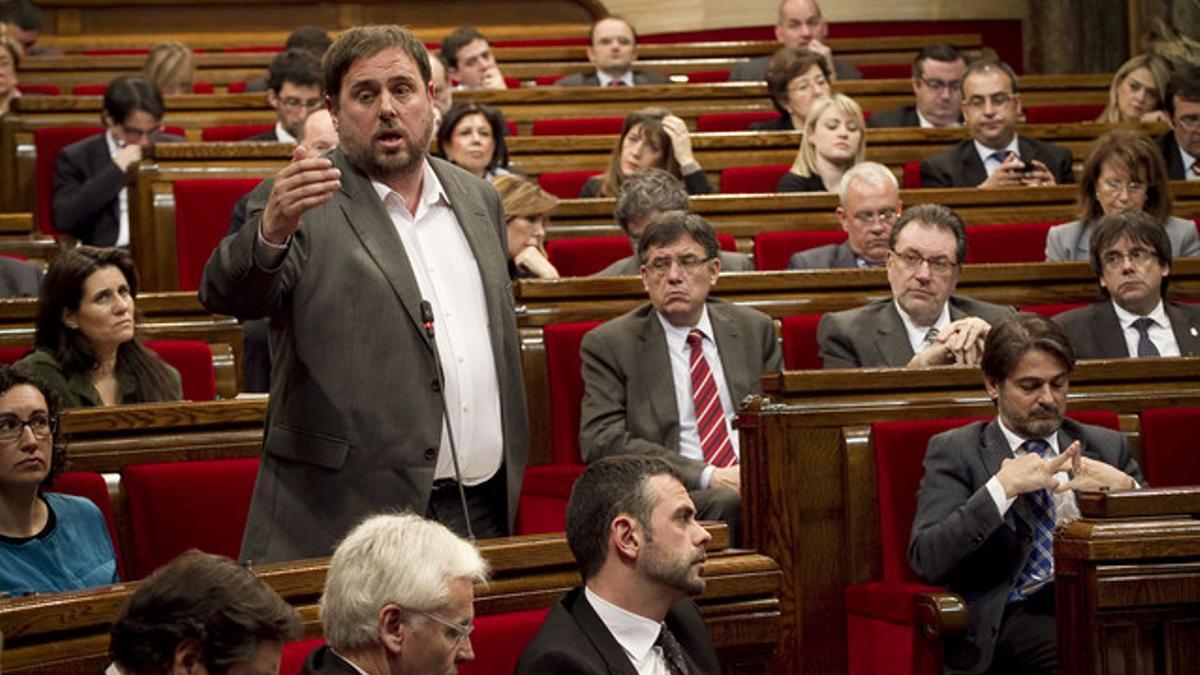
710	417
617	83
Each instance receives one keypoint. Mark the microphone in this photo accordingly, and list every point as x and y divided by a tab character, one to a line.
427	320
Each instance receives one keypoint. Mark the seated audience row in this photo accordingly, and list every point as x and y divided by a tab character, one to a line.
650	137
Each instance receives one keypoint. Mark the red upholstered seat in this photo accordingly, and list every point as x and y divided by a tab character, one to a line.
565	184
116	52
1168	449
912	176
512	82
202	88
707	77
39	89
1052	310
582	256
1007	243
499	639
547	80
885	71
194	361
1063	113
296	653
752	179
736	121
91	485
800	350
89	89
46	144
233	132
578	126
11	354
202	210
772	250
236	88
177	506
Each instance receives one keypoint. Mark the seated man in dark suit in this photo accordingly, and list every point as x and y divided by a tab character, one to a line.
472	64
936	83
666	378
994	156
612	48
1181	145
312	39
870	203
19	278
91	202
1131	256
993	492
398	598
633	531
294	89
644	196
801	25
922	324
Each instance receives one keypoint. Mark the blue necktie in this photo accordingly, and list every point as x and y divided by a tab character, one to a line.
1040	563
1145	347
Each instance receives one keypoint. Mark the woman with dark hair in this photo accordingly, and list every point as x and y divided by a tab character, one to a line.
49	542
650	138
1124	171
86	348
472	136
795	78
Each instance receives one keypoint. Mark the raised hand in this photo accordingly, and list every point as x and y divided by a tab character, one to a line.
304	183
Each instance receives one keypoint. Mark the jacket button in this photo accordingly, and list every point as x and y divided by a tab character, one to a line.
437	386
430	454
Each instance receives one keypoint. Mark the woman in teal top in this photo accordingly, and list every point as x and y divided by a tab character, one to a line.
48	542
86	345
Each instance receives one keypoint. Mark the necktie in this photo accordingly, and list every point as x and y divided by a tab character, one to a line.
1145	347
1196	168
617	83
710	417
672	652
1040	563
931	336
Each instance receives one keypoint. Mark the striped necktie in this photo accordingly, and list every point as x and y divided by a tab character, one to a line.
710	416
1145	347
1039	565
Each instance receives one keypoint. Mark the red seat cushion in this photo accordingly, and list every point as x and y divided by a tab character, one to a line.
800	349
565	184
1063	113
1007	243
46	144
11	354
194	361
773	250
582	256
912	176
727	242
1052	310
499	640
233	132
89	89
752	179
1168	449
544	496
177	506
91	485
885	71
707	76
547	80
578	126
236	88
39	89
736	121
296	653
202	210
565	382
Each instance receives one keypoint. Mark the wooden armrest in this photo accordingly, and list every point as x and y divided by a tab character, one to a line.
941	615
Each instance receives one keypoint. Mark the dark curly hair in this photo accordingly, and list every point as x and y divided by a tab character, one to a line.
15	376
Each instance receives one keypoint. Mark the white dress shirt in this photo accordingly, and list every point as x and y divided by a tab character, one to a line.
1160	331
447	274
987	155
917	334
1189	164
681	376
1065	507
926	124
636	635
606	80
122	196
282	135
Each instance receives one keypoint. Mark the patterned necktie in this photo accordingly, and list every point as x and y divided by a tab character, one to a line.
1196	168
930	337
617	83
672	652
710	416
1040	563
1145	347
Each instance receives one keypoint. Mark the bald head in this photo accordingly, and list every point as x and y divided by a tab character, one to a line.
800	23
319	135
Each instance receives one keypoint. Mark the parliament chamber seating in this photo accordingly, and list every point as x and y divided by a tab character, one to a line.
233	132
885	71
707	76
910	176
565	184
1169	448
202	212
291	661
732	121
584	256
800	348
1050	310
752	179
1063	113
773	250
578	126
39	89
1007	242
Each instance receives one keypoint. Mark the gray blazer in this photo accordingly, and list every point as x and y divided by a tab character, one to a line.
1071	241
730	262
959	539
591	79
355	417
873	336
629	402
828	257
1097	334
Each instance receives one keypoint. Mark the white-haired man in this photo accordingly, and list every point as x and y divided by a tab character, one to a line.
398	600
868	205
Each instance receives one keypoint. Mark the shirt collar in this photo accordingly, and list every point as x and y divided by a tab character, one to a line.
282	134
348	662
111	141
926	124
1188	159
677	336
432	192
636	634
605	79
911	326
1015	441
985	153
1126	317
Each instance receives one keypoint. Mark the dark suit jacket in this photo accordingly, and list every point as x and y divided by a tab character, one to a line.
270	136
1096	333
87	184
323	661
959	538
730	262
790	182
904	116
873	336
19	278
354	421
591	79
960	166
575	641
629	402
755	70
781	123
828	257
1170	151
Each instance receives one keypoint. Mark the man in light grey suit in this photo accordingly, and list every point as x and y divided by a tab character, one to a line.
993	492
869	203
642	198
358	258
645	373
923	324
612	48
1131	256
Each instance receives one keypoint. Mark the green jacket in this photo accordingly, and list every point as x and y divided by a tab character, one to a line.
75	390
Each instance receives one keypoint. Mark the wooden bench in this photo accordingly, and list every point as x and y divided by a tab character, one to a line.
808	472
69	632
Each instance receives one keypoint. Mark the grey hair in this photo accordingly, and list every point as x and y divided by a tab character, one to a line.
646	191
872	173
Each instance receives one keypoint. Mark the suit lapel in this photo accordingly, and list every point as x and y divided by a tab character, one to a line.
843	257
971	166
1186	328
1109	334
598	634
657	359
993	453
890	337
729	338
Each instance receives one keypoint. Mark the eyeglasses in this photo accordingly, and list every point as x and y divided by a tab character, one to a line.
886	217
939	86
997	100
1188	122
133	135
912	262
1116	186
688	263
462	632
293	103
1140	257
40	425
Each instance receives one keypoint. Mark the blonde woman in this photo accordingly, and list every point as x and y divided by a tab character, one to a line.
527	209
834	140
1137	91
171	68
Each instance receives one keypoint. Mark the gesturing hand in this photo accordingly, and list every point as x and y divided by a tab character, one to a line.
1030	473
300	186
1090	474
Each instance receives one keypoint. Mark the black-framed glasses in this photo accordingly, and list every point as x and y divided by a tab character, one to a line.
41	425
939	86
462	631
688	263
293	103
912	261
1138	256
886	216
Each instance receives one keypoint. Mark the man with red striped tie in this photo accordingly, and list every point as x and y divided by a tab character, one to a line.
666	378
